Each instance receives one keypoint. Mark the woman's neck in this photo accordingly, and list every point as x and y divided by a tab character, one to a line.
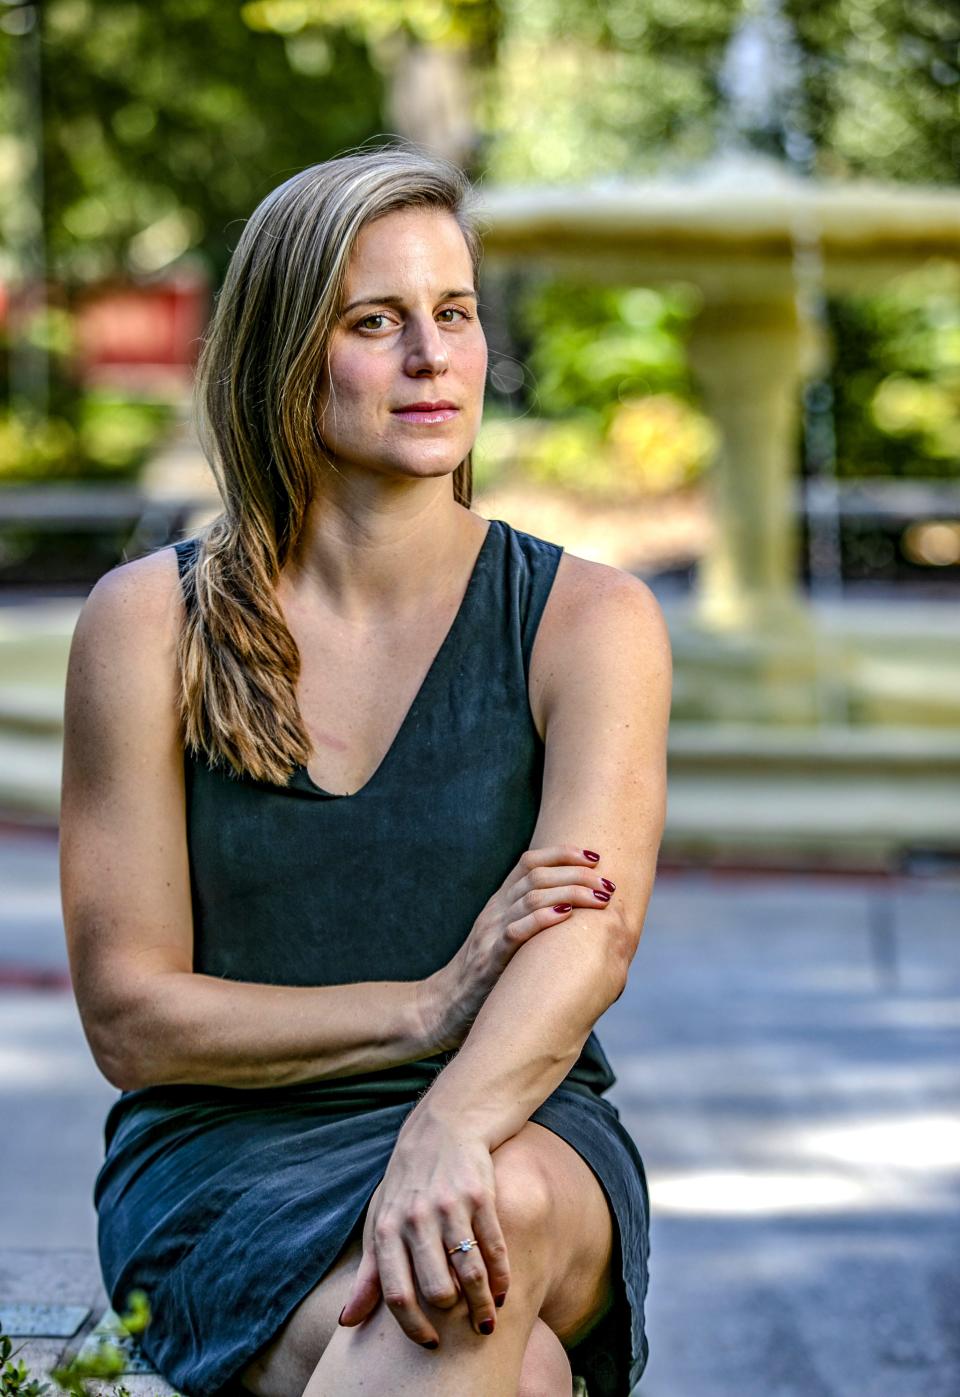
357	565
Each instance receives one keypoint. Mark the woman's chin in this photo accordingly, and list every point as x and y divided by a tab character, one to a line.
424	461
427	465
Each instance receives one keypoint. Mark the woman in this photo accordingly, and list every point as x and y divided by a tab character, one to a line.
332	931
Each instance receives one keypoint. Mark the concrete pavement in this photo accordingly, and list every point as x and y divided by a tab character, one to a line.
787	1055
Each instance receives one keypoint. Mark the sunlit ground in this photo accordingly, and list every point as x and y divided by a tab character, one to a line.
787	1055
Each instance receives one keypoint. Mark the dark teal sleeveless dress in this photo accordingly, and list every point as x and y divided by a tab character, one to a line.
227	1205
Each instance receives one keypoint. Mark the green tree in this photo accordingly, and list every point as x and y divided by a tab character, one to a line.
882	81
587	88
160	128
164	124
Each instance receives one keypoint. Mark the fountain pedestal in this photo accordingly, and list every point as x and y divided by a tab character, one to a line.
749	359
749	639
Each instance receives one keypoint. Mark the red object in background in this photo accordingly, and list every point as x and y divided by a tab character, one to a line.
141	334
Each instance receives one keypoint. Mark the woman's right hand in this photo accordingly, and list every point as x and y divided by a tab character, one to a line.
541	890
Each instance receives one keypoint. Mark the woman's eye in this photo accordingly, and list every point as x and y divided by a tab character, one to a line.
379	315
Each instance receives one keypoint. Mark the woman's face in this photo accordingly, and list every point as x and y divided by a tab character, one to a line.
408	333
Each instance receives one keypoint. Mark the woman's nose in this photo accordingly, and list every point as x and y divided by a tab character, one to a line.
427	349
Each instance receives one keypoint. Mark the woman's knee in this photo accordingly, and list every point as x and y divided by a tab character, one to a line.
553	1201
546	1368
524	1198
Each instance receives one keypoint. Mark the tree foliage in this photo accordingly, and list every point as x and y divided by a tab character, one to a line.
588	88
164	124
882	83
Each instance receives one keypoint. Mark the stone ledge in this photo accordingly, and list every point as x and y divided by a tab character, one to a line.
53	1305
139	1375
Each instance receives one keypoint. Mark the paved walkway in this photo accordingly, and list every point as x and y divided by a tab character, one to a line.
787	1057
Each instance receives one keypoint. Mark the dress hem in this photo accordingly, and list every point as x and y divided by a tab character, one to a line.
635	1301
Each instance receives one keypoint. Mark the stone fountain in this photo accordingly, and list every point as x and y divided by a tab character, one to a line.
731	229
769	682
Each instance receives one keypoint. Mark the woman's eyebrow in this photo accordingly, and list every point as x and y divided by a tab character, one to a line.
398	300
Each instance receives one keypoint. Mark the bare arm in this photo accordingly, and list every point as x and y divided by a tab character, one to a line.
125	884
198	1028
604	782
606	697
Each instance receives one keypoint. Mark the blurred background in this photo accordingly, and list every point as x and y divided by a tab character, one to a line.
721	292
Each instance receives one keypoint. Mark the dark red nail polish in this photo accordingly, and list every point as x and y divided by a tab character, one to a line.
563	907
499	1299
588	853
342	1313
485	1326
431	1343
603	897
610	887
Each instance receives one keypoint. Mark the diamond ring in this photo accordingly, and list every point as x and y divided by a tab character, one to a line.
465	1245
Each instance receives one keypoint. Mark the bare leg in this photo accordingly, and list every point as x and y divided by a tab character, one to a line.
377	1356
546	1367
559	1234
284	1366
579	1293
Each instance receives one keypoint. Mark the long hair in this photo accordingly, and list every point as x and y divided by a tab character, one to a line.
255	401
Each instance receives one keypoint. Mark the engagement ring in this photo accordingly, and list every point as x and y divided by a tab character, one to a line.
465	1245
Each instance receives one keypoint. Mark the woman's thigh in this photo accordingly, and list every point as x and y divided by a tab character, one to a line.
284	1365
577	1240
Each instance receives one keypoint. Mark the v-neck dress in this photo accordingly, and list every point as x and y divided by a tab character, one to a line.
228	1205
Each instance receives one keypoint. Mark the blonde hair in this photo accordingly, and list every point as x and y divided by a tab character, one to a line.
255	398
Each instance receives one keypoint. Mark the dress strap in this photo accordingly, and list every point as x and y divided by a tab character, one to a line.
186	550
535	563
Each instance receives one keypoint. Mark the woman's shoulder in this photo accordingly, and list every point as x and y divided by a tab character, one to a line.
529	545
146	588
122	690
584	605
577	580
574	572
133	613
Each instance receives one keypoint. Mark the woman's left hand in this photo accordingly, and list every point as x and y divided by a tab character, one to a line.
438	1189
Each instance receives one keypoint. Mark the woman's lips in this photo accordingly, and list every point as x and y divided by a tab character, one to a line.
426	415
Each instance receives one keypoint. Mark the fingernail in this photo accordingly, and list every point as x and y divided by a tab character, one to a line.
499	1299
588	853
431	1343
485	1326
610	887
563	907
602	897
342	1313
